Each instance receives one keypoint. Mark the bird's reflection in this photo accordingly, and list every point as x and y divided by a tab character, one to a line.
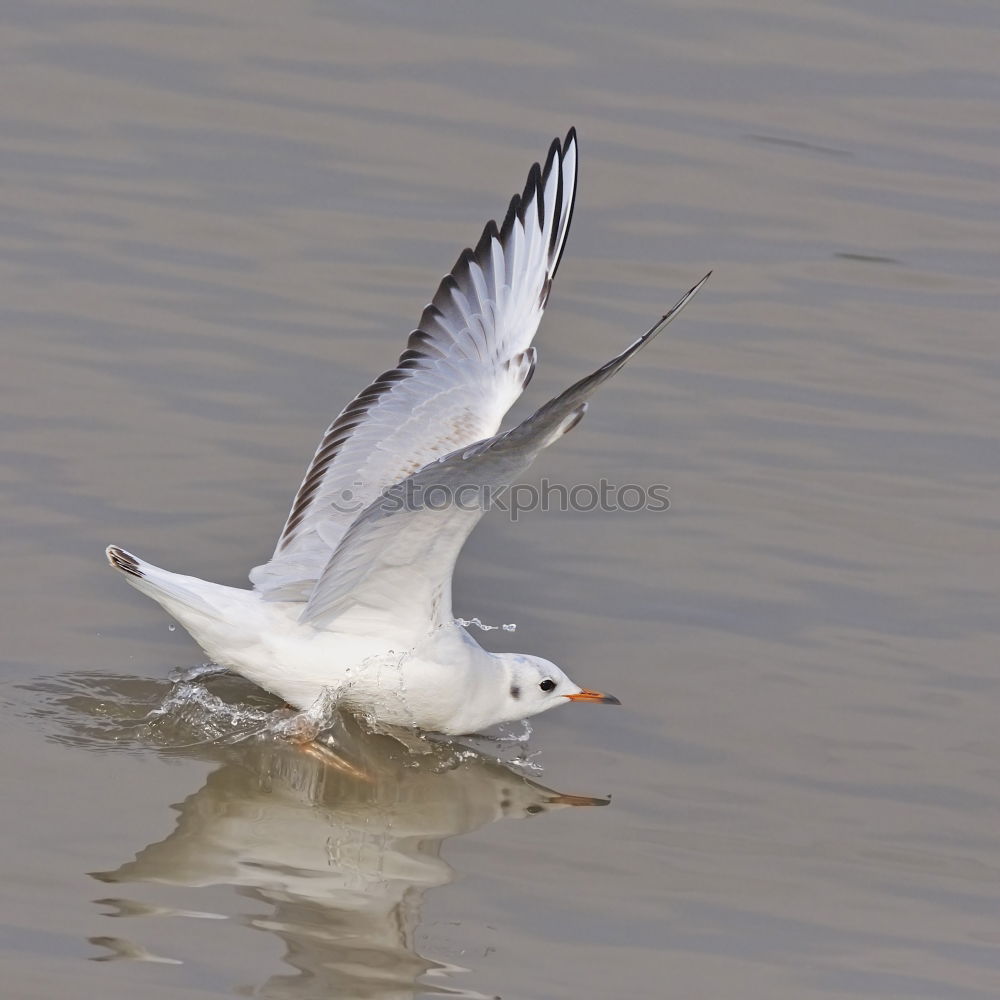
340	850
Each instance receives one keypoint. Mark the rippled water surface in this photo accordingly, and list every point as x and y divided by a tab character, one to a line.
218	219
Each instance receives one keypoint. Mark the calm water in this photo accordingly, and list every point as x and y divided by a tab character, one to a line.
217	220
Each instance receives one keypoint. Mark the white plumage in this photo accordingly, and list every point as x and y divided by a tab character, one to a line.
358	605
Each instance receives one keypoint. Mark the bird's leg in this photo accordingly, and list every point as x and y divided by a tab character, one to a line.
325	754
295	726
304	729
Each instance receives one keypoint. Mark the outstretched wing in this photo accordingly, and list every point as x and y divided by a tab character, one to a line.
462	369
395	563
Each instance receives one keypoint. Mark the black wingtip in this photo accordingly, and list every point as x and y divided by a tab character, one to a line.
532	185
684	300
563	227
124	561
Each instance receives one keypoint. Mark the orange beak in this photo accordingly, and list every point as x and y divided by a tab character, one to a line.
587	695
576	800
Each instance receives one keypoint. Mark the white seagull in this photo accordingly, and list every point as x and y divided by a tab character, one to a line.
355	603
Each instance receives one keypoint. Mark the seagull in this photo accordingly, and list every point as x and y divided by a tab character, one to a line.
355	604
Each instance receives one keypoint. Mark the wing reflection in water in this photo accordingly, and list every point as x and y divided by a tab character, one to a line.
341	853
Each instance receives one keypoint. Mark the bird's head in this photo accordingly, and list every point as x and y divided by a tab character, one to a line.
535	685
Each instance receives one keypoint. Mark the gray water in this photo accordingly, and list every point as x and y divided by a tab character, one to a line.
219	219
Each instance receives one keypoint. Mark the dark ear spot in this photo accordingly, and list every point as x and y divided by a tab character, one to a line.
515	692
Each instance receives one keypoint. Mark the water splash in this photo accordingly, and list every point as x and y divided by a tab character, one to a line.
193	706
108	712
199	673
509	746
477	623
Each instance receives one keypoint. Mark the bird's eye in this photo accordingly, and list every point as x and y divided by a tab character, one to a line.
548	684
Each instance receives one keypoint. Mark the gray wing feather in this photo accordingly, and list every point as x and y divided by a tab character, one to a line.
397	558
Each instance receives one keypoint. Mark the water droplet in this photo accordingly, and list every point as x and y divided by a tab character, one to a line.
172	627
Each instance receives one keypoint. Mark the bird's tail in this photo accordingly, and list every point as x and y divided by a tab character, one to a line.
173	592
